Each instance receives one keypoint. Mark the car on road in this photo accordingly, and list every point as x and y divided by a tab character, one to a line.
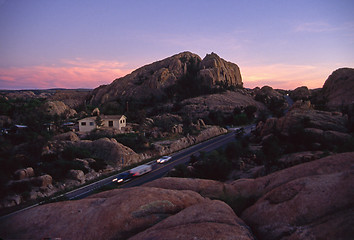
164	159
123	177
140	170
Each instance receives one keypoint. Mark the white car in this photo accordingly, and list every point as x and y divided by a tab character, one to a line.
164	159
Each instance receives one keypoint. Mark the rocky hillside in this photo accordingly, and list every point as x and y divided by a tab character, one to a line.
338	89
152	80
309	201
200	107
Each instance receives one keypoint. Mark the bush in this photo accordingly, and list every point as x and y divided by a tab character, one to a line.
60	168
233	151
99	164
272	151
20	187
215	166
238	203
179	171
132	140
72	152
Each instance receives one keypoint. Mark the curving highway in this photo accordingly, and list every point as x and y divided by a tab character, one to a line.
159	170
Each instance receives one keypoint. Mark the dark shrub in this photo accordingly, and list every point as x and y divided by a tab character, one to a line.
72	152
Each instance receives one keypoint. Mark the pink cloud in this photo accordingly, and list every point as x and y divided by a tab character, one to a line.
71	74
286	76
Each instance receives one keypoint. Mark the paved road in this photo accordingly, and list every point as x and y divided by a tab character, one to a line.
290	103
159	170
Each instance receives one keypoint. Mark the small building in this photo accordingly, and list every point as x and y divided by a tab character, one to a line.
110	121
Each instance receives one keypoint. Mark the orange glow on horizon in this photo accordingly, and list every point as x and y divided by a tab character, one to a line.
284	76
76	74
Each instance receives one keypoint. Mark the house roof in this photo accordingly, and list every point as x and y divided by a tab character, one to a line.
105	117
87	118
112	116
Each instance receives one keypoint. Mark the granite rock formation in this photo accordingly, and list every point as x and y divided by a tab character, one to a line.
215	70
312	200
151	80
58	108
300	93
338	90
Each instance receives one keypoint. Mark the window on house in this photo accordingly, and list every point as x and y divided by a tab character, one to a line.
110	123
91	123
83	123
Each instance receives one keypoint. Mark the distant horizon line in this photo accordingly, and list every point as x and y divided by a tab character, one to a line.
90	89
47	89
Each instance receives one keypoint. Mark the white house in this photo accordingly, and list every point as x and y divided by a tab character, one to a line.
109	121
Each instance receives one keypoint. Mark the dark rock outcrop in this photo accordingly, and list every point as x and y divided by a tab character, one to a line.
58	108
68	136
72	98
313	200
256	188
151	80
24	173
200	107
300	93
304	117
116	214
220	223
110	150
299	207
312	119
338	89
215	70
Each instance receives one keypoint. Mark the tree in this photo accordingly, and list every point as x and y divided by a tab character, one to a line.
250	110
99	121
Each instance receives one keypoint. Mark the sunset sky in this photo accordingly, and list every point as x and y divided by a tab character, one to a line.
87	43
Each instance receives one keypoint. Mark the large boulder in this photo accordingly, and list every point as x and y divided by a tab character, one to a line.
68	136
305	208
24	173
43	181
339	88
77	175
167	121
253	189
116	214
292	159
58	108
327	137
300	93
311	119
264	129
151	81
200	107
215	70
113	152
266	93
205	187
71	97
220	222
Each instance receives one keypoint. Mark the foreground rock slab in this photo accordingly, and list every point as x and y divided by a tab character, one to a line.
206	220
300	206
116	214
